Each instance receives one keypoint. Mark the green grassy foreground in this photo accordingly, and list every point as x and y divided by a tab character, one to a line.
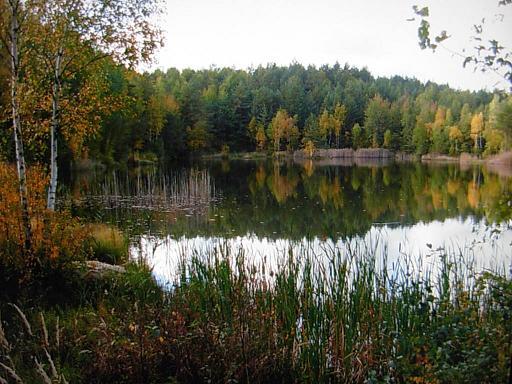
342	320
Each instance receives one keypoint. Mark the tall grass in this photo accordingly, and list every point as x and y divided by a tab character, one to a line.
33	354
341	317
108	243
347	319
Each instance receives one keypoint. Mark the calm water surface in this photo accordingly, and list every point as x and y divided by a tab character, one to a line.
264	208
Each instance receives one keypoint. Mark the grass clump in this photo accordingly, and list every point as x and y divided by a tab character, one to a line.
108	244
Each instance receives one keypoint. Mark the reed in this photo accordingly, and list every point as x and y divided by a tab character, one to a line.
346	318
151	190
336	316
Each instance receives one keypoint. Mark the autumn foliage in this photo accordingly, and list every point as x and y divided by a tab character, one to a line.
57	238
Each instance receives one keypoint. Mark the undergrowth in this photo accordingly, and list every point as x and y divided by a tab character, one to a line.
346	319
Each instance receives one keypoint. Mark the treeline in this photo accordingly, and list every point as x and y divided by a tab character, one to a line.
274	108
175	113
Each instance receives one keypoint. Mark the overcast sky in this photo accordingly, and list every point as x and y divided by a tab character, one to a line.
365	33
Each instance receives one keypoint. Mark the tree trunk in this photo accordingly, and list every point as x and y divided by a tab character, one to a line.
16	122
52	189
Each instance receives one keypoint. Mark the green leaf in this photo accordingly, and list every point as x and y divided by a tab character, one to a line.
441	37
467	60
423	12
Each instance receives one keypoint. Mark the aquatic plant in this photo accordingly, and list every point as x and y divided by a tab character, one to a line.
337	317
343	315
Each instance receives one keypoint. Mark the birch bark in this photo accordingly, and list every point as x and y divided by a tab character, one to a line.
52	190
15	10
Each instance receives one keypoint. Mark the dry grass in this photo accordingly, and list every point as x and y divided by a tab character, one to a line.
108	243
27	346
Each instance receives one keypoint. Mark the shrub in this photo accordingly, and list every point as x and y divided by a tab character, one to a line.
58	239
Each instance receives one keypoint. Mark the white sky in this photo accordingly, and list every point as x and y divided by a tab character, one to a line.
365	33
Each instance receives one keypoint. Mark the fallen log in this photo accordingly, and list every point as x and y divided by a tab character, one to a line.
96	270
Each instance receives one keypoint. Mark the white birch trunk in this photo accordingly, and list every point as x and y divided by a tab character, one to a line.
52	190
16	122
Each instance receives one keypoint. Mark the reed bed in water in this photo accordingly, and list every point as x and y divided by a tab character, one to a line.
348	318
150	190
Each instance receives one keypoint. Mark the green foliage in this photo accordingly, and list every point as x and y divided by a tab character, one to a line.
175	113
198	137
252	128
504	121
494	141
358	137
420	139
136	285
377	120
312	131
388	139
440	141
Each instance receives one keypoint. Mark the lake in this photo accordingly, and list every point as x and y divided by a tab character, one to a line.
410	213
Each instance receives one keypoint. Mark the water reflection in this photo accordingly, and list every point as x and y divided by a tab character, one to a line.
421	246
262	206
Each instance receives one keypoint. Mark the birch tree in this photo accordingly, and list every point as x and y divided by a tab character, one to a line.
477	127
485	54
73	35
13	20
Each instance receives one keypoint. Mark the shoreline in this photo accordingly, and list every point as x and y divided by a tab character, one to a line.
502	159
500	164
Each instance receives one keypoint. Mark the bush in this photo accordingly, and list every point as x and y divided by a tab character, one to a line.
58	239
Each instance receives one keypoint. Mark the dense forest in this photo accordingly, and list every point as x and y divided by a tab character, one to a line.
177	113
